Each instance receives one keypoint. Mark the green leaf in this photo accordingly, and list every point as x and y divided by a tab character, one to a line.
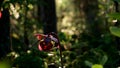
88	63
97	66
4	65
115	31
104	59
115	16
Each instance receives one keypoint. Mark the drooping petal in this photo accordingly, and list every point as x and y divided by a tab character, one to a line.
54	39
39	47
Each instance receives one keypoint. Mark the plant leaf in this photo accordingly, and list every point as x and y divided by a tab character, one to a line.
88	63
115	15
104	59
115	31
97	66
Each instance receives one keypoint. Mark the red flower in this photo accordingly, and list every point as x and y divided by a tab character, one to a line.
45	43
45	46
0	14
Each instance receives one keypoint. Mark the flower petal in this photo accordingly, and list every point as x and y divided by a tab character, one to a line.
0	14
39	47
54	39
39	36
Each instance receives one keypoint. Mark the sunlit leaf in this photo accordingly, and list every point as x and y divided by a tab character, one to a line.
4	65
97	66
15	35
30	6
115	31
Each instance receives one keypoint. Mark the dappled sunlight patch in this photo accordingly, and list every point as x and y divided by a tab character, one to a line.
30	6
67	31
13	54
14	10
14	35
70	20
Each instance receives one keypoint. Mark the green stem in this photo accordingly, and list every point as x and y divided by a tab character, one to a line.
52	33
61	56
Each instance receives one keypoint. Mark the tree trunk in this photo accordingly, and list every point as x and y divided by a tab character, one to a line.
4	32
94	24
91	10
48	16
26	40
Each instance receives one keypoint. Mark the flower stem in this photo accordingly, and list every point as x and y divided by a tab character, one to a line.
52	33
61	56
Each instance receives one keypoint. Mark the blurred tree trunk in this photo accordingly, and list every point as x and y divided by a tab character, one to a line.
4	31
47	12
91	12
94	25
26	40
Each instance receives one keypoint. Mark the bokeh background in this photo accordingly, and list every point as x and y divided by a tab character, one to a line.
88	31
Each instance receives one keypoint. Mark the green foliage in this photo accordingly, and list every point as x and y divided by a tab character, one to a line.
4	64
34	59
117	0
115	31
97	66
81	48
114	15
104	59
62	36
